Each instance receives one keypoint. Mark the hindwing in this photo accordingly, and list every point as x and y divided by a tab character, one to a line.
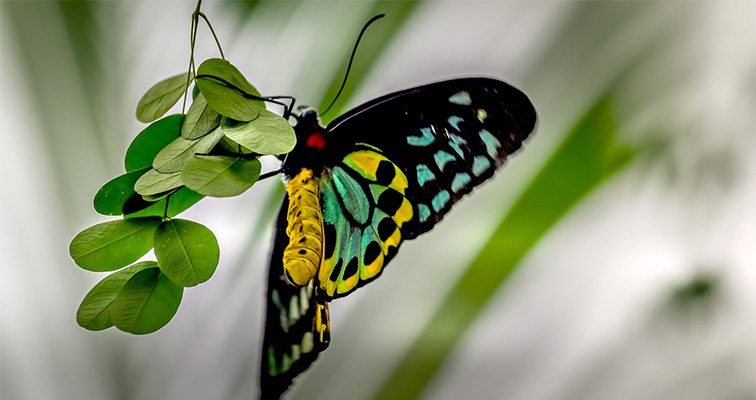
297	325
364	211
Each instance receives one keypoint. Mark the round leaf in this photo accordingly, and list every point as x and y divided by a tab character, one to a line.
180	202
228	101
112	245
268	134
148	143
173	157
223	69
224	88
200	119
94	311
220	176
161	97
112	197
187	252
146	302
154	182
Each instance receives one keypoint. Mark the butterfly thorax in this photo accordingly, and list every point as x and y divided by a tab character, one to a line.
301	258
313	150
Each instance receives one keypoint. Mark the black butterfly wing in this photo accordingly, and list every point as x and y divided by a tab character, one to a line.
401	161
297	325
447	137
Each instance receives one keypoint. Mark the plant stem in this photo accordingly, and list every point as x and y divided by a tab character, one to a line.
165	211
209	25
192	40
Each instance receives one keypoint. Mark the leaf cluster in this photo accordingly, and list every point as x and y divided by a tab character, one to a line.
212	150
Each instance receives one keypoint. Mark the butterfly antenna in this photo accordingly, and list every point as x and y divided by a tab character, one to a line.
351	58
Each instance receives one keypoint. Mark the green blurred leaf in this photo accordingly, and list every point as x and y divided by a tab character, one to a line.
151	140
161	97
220	176
589	155
180	202
94	311
112	197
200	119
112	245
173	157
187	252
224	88
154	182
268	134
146	302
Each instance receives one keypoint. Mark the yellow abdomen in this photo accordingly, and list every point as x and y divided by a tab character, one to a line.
301	258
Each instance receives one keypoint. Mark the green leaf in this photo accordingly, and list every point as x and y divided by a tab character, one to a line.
161	97
151	140
112	197
173	157
187	252
146	302
228	101
225	88
180	202
200	119
268	134
94	311
111	245
223	69
159	196
154	182
220	176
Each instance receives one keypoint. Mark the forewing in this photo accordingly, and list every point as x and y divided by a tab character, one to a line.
446	137
296	323
364	210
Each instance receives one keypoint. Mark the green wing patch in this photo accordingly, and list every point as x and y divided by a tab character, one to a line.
364	208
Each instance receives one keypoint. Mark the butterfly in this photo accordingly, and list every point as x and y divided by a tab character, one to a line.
383	173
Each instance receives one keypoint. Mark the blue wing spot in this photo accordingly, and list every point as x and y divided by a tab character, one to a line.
421	141
460	180
492	144
462	98
454	121
442	158
424	174
424	212
455	144
480	165
440	200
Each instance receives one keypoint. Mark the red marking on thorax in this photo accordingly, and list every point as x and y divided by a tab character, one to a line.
316	141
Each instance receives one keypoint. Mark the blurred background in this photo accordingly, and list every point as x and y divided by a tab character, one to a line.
613	258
